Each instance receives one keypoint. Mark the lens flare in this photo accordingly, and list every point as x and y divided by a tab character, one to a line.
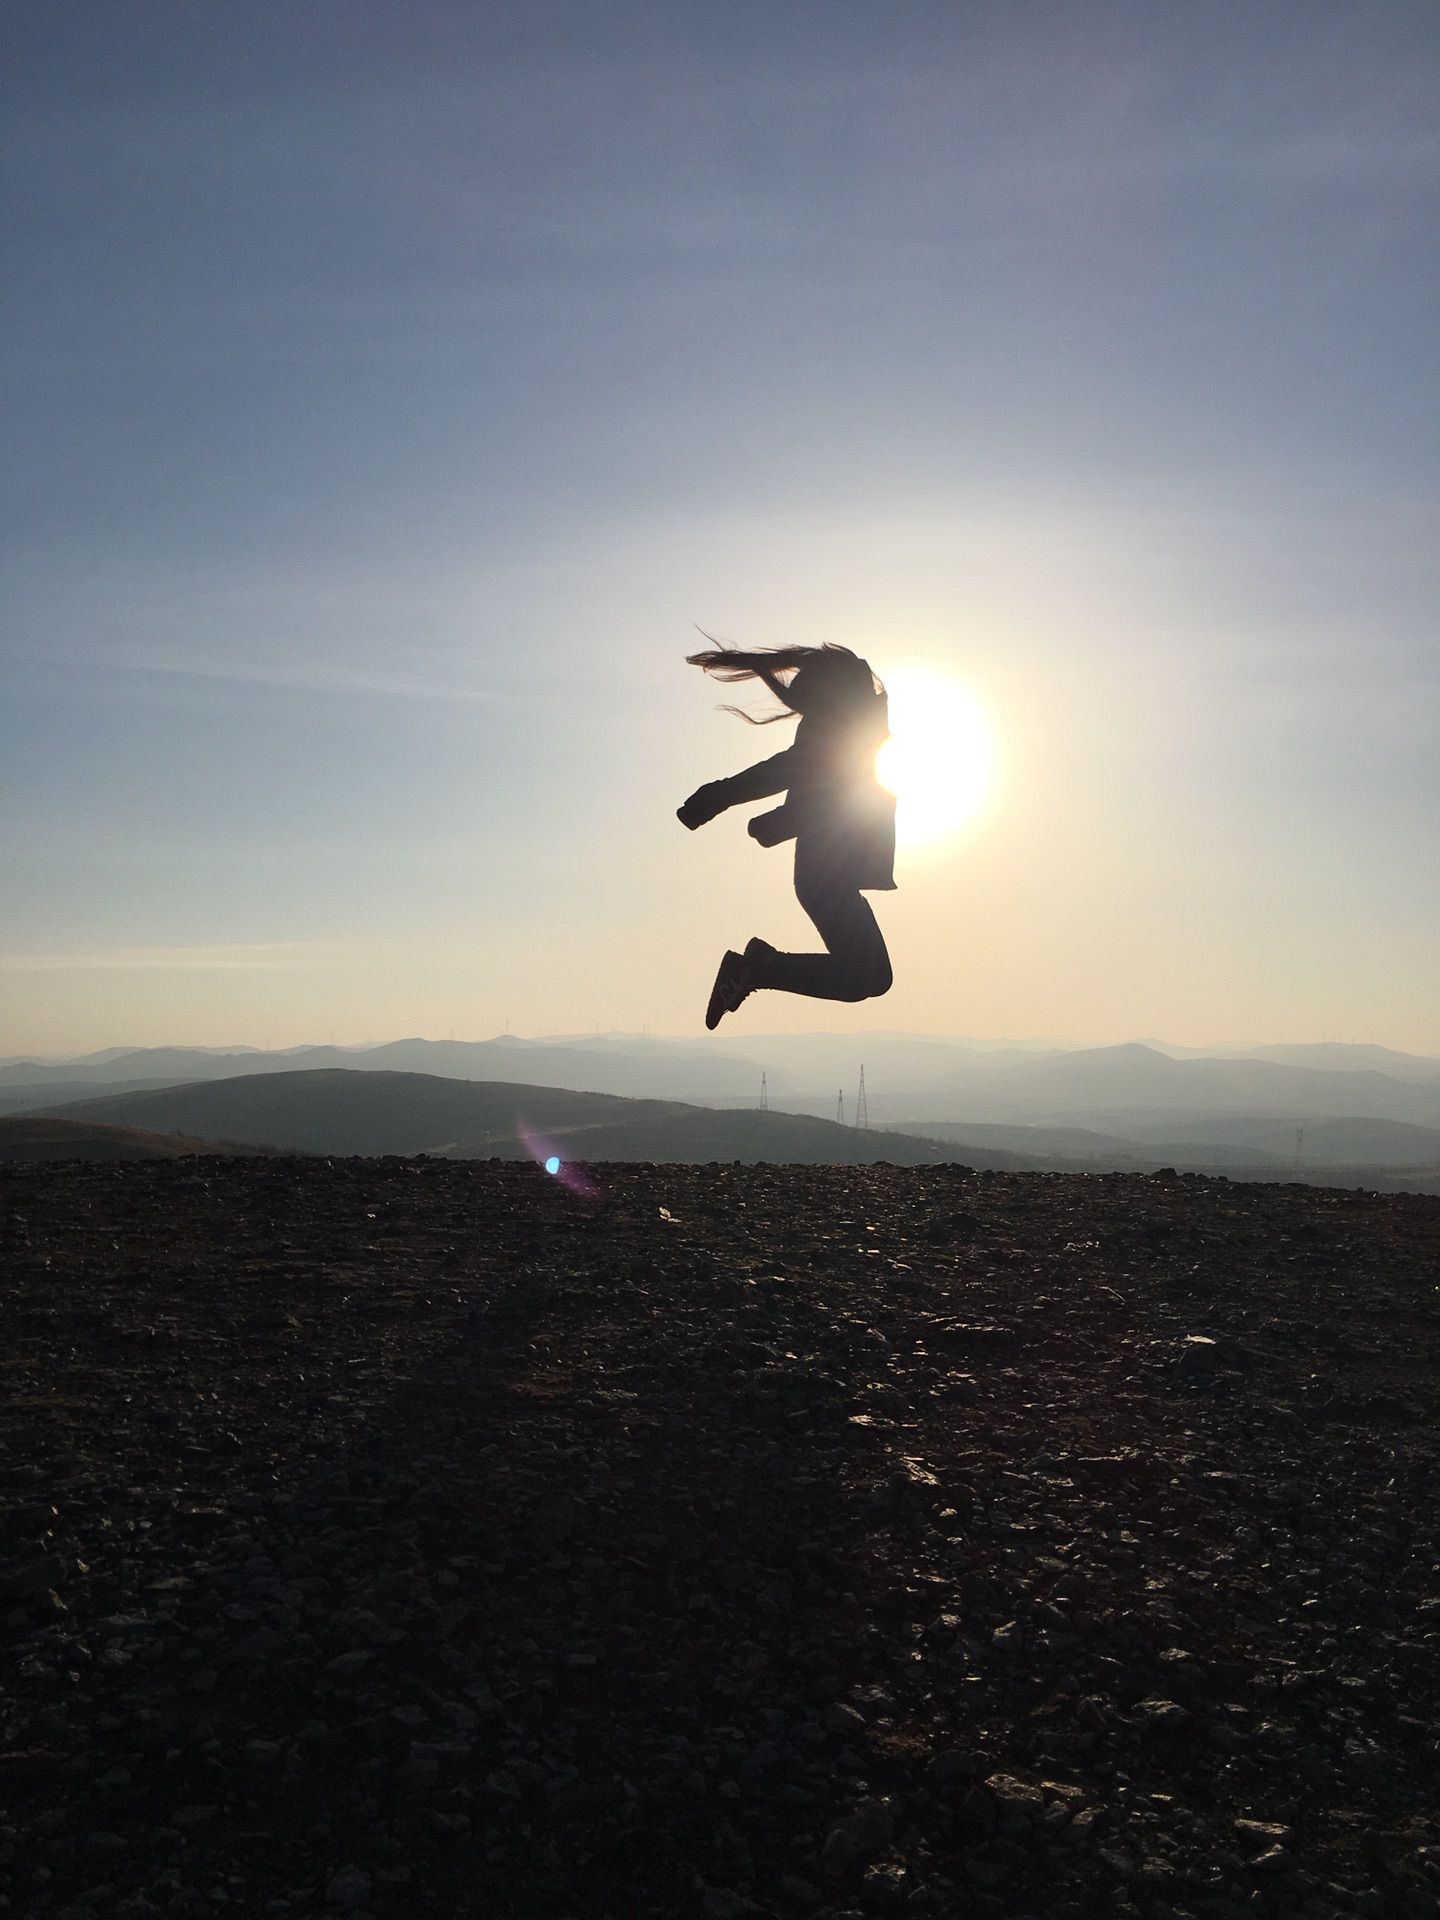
546	1155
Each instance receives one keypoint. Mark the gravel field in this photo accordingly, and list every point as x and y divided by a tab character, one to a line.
393	1538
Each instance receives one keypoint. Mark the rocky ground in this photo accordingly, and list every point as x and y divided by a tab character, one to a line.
420	1538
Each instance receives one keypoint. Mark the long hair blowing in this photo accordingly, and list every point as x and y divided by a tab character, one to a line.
776	667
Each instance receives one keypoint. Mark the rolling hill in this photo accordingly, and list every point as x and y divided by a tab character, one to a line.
37	1096
338	1111
37	1138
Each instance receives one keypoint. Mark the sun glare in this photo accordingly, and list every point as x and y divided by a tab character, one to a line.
939	761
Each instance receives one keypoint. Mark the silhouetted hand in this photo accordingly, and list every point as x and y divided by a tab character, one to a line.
770	829
702	805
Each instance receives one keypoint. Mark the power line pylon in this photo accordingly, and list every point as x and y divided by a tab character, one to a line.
764	1095
862	1110
840	1108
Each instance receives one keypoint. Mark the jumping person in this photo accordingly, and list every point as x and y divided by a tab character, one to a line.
835	810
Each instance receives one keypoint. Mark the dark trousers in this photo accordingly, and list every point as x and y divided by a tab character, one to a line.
855	965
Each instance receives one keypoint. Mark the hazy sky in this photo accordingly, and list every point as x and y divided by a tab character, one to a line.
390	387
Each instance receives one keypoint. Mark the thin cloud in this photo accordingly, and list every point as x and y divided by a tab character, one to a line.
272	957
315	678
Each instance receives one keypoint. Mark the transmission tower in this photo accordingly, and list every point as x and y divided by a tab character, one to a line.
840	1107
862	1111
764	1095
1299	1143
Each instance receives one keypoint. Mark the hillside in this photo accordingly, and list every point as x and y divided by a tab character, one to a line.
1351	1142
38	1138
1380	1153
419	1539
35	1096
346	1112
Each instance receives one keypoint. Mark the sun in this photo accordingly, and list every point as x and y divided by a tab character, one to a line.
939	761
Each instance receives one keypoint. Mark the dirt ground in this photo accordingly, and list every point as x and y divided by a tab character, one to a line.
430	1538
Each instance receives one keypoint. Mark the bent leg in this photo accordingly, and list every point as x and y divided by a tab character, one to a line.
856	965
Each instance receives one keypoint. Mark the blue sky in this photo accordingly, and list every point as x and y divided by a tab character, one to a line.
388	390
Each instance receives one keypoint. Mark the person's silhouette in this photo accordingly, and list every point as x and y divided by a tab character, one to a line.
835	810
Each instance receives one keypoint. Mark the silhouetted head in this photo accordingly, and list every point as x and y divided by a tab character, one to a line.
834	684
828	685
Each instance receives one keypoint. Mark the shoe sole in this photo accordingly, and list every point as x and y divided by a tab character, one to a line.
725	996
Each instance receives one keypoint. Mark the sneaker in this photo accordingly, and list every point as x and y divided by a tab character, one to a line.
729	990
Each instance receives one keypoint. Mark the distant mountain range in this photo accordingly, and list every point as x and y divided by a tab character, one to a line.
656	1069
1269	1107
1118	1088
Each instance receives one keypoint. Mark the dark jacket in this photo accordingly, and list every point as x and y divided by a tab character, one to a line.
839	816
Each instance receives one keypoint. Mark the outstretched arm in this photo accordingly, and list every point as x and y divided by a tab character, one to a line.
754	783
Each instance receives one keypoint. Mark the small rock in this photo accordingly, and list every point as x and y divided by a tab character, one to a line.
858	1839
841	1719
883	1887
26	1582
1016	1796
1198	1354
553	1519
1081	1826
347	1663
722	1903
1273	1860
348	1888
1262	1830
195	1816
946	1769
1166	1716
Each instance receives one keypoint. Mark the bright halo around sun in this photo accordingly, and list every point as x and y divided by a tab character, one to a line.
939	761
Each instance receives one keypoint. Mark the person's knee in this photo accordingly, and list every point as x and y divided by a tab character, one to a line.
869	981
878	979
